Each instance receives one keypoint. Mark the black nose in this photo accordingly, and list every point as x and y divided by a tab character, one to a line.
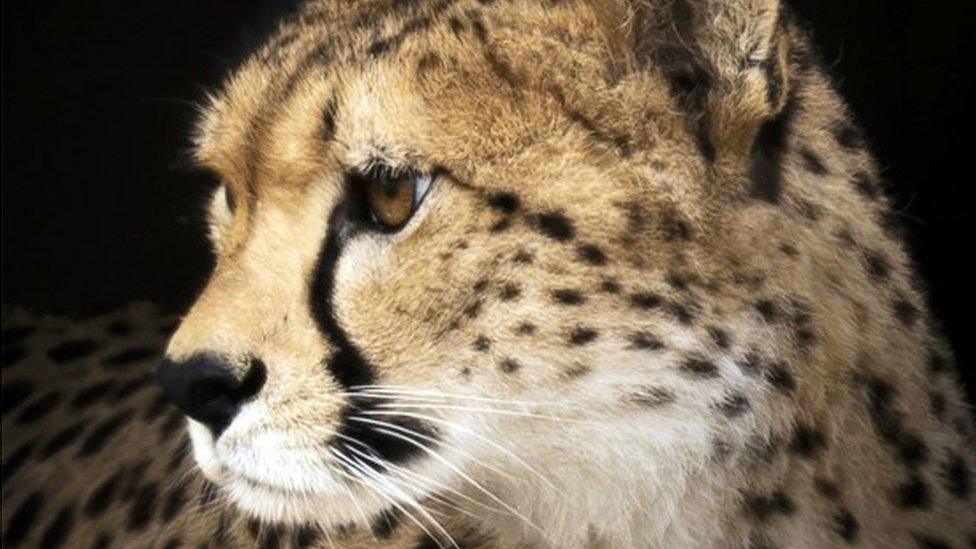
205	388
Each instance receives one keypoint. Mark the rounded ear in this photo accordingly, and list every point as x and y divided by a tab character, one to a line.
726	61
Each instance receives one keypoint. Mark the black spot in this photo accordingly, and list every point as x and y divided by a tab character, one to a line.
522	257
39	408
846	525
592	254
582	335
143	507
568	297
174	502
64	437
651	397
555	225
926	541
906	313
674	227
525	328
90	394
102	496
681	312
208	493
59	528
766	170
720	337
812	162
132	386
22	520
733	405
700	368
16	334
610	287
480	286
329	114
808	441
750	364
456	25
379	47
14	393
912	450
849	136
826	488
779	376
506	203
877	265
73	350
103	432
762	508
16	459
386	523
767	310
956	477
646	300
510	292
509	366
676	281
914	494
865	185
306	536
481	343
645	341
156	408
575	371
501	225
426	541
132	355
172	423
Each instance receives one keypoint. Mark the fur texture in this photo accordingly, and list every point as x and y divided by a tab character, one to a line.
655	296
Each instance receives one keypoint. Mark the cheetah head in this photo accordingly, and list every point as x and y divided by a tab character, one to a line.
455	243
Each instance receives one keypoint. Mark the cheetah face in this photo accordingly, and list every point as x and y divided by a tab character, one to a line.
438	265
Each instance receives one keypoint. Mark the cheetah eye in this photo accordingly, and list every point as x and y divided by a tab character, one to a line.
391	198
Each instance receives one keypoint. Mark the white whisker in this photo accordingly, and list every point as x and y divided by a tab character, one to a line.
471	432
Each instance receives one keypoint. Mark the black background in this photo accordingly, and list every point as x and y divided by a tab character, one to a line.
98	98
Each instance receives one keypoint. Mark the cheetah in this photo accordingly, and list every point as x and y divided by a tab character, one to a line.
555	273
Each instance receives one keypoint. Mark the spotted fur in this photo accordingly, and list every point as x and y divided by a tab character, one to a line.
654	298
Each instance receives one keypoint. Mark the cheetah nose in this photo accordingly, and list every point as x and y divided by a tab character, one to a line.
205	388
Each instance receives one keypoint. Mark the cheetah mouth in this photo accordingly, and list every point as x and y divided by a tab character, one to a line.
288	484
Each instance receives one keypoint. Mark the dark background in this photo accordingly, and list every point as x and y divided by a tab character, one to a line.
98	98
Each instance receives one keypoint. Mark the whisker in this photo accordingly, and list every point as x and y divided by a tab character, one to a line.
486	411
413	502
358	477
430	482
460	473
433	441
378	391
473	433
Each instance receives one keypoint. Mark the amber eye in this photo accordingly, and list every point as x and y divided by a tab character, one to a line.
393	198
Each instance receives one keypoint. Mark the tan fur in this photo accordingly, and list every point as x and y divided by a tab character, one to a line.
790	401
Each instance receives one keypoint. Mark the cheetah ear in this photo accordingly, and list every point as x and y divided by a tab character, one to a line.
726	62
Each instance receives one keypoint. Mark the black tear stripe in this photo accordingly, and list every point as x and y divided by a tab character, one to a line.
348	365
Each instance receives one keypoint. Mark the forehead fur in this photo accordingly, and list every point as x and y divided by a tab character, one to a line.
443	83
